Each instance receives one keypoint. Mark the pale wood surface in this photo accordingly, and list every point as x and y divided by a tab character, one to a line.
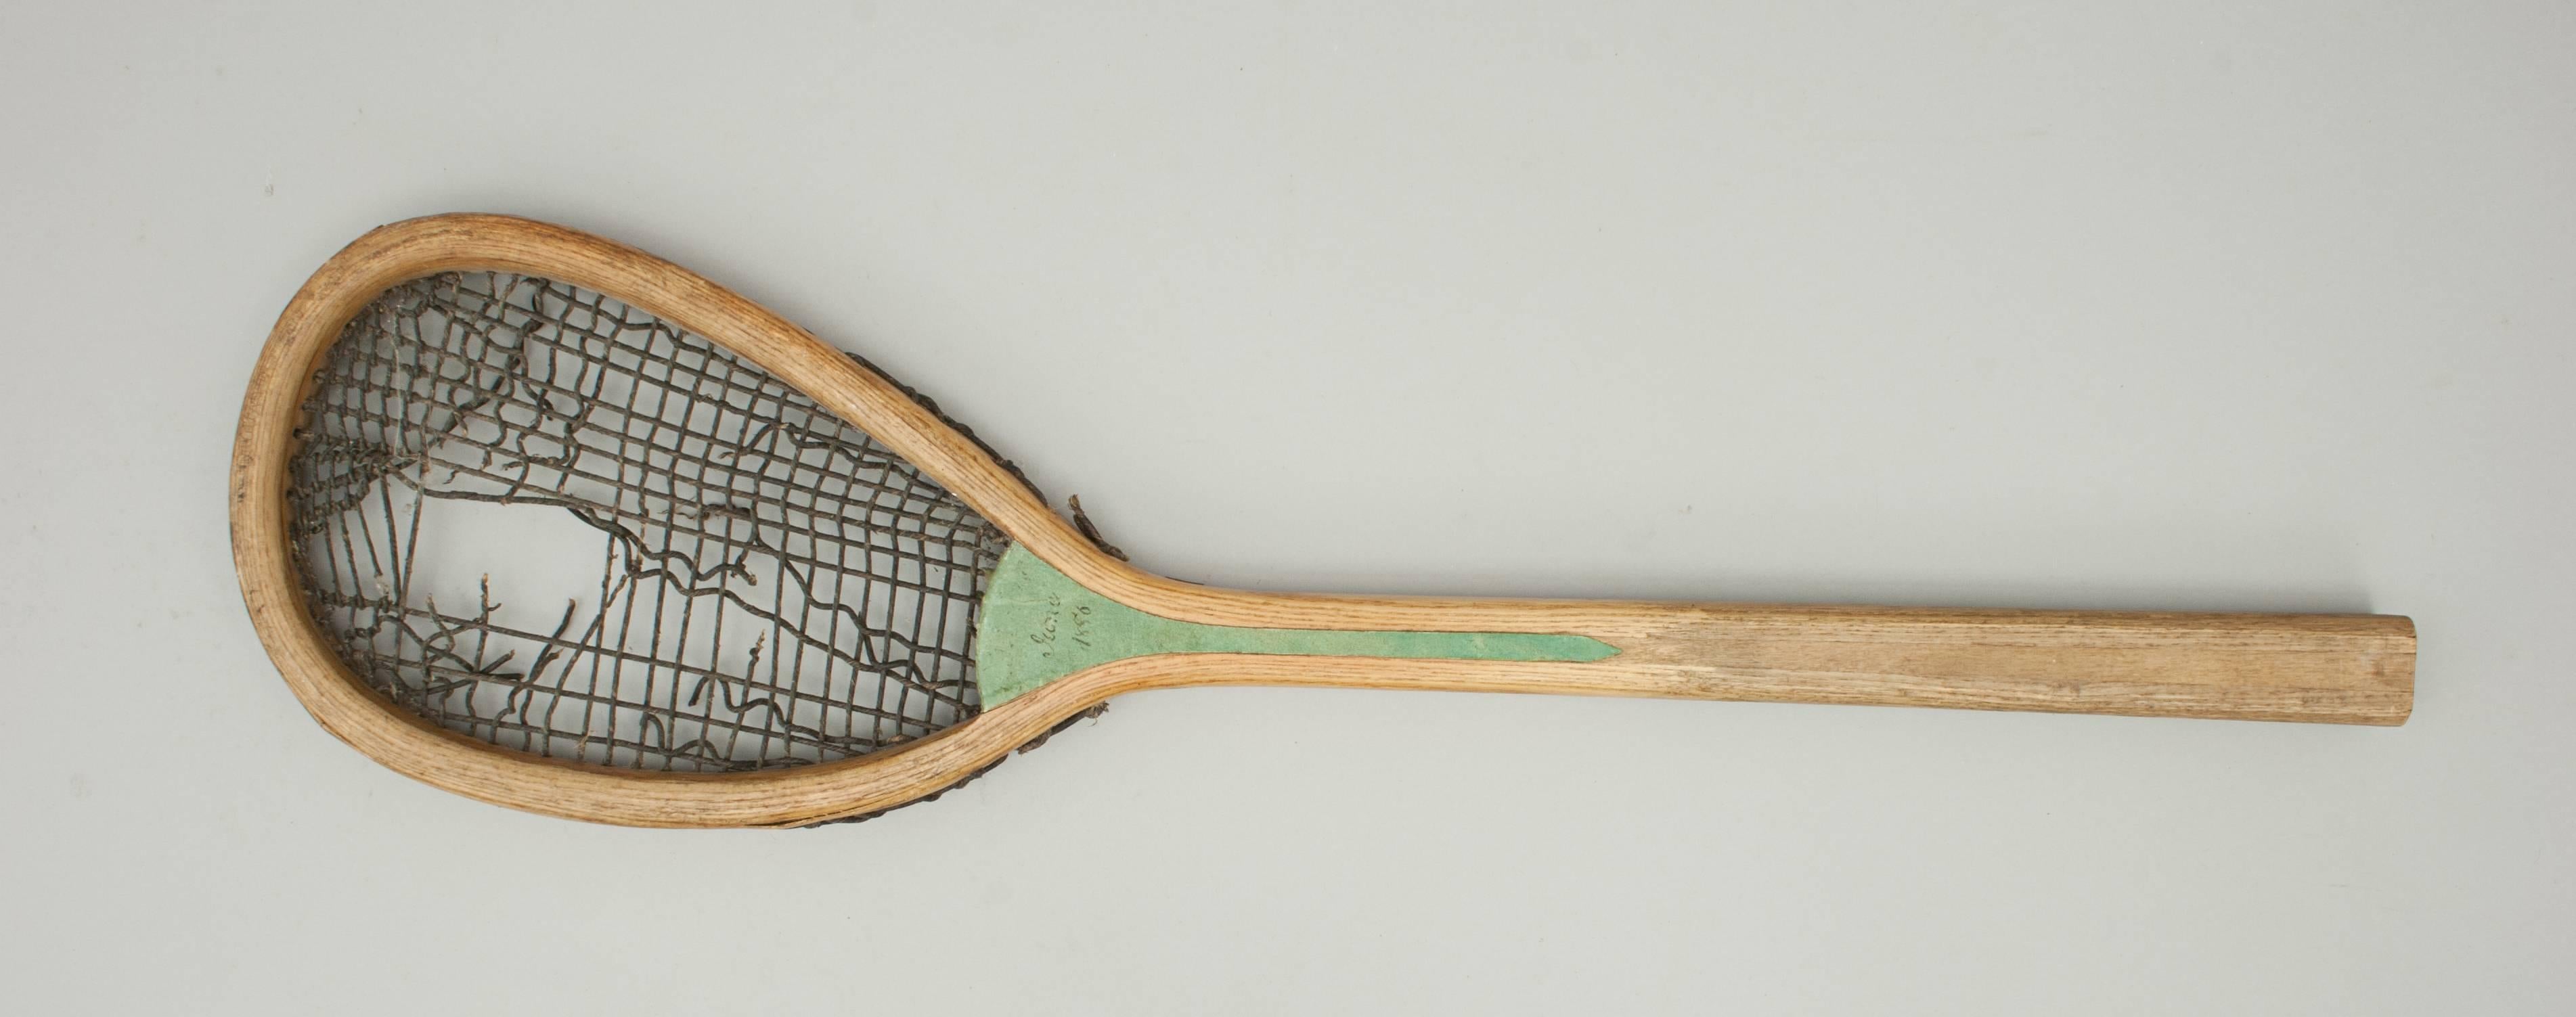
2333	668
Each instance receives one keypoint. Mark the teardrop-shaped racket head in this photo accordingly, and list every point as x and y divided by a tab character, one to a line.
545	520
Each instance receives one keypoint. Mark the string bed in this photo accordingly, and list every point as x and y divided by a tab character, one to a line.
534	515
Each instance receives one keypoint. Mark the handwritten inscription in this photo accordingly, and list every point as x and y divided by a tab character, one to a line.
1072	626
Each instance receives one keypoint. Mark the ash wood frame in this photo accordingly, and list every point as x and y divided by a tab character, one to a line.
2331	668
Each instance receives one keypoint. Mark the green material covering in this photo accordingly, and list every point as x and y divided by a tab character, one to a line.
1039	625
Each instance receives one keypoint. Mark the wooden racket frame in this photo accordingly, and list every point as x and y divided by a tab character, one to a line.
2333	668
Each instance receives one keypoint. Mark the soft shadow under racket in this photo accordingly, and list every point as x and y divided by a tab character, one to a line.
544	520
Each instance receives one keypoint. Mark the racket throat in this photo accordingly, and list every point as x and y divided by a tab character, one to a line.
1037	625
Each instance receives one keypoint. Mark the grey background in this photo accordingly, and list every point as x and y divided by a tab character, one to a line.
2198	305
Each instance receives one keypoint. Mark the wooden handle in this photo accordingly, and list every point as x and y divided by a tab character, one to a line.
2343	669
2351	669
1040	626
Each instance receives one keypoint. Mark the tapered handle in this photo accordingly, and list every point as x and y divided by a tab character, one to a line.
1040	625
2336	669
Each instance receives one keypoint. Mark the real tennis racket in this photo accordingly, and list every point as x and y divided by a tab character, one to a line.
545	520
